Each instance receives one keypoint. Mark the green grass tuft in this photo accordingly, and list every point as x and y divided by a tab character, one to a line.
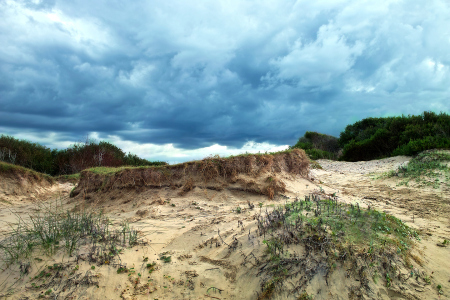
52	229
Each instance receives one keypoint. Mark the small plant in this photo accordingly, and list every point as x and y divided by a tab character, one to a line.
173	204
238	209
166	259
122	270
151	267
92	267
48	292
439	288
388	280
74	270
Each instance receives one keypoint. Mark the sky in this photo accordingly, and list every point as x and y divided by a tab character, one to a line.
181	80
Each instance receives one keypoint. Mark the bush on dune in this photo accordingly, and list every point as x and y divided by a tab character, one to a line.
318	145
374	138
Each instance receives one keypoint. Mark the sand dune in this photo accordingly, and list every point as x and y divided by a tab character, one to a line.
203	243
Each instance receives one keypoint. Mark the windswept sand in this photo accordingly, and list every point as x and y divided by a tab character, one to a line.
194	230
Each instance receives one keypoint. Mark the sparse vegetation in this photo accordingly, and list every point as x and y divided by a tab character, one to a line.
332	234
428	168
51	229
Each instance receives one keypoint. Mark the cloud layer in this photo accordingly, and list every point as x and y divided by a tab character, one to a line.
194	74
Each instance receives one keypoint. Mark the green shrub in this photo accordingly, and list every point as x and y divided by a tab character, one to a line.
320	154
415	146
374	138
318	145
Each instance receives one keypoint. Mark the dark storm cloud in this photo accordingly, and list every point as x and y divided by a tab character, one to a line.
196	74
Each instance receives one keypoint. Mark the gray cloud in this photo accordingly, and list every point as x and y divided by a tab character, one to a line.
196	74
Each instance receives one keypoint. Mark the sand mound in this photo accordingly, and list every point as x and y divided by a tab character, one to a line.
20	184
251	173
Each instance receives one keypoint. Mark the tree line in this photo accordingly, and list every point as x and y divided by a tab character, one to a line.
370	138
72	160
374	138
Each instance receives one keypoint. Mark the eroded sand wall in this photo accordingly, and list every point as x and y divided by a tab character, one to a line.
253	173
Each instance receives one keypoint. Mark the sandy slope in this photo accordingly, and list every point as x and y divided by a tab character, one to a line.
21	194
196	228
